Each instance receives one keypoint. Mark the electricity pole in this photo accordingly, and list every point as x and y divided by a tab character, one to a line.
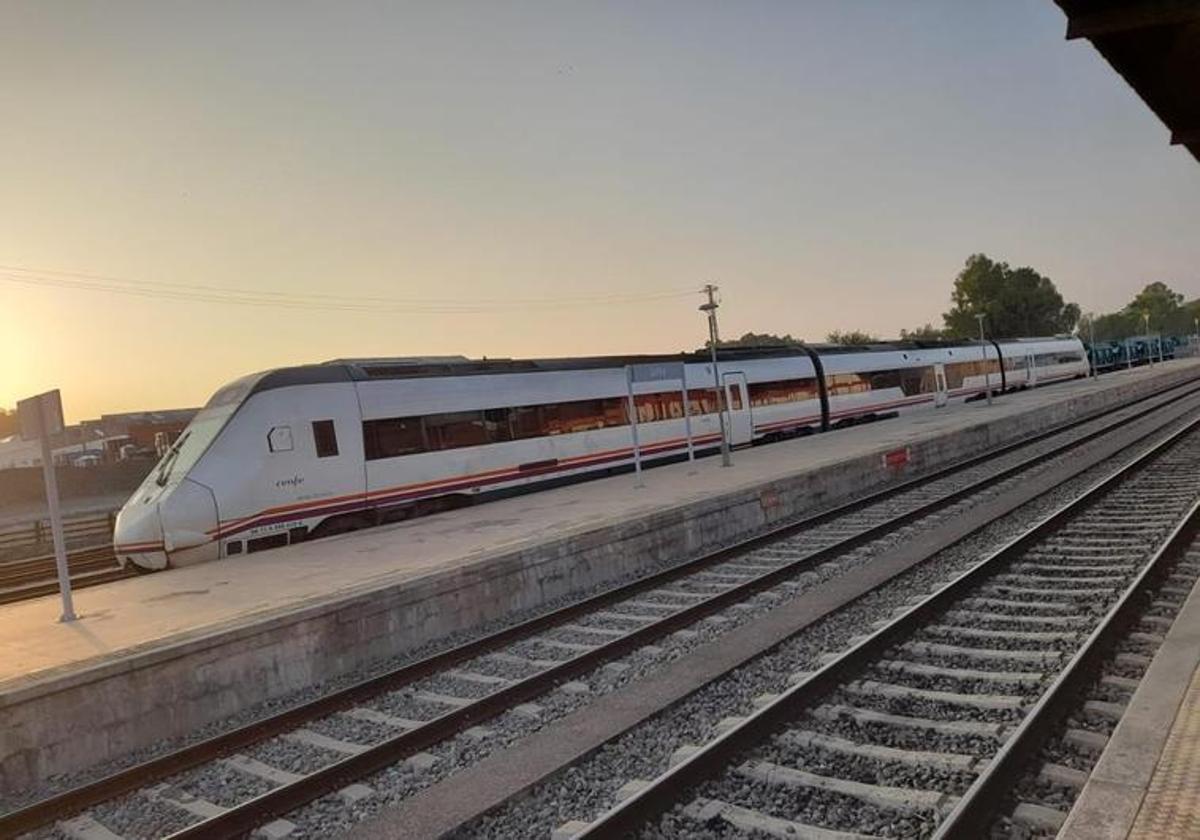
713	338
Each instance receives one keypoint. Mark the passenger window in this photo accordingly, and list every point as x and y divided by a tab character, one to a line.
325	437
279	439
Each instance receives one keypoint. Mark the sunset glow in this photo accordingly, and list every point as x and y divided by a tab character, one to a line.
830	165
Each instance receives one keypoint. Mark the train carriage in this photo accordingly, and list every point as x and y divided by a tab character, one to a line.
295	453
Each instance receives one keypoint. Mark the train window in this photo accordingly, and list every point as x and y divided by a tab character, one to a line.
582	416
735	398
957	372
702	401
525	422
325	438
392	437
455	429
846	383
279	439
783	391
497	423
916	381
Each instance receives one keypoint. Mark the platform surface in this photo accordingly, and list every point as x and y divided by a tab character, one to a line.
1171	809
136	614
1146	784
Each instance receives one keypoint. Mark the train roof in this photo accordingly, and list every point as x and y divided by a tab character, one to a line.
414	367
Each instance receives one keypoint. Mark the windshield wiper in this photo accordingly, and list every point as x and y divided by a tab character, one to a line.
164	470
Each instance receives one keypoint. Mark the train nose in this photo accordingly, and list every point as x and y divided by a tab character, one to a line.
138	536
189	523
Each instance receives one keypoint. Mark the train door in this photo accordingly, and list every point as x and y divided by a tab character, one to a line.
1030	370
940	397
737	400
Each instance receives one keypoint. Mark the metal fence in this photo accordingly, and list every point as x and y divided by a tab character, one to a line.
30	539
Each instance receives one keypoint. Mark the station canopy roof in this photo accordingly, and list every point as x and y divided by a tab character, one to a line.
1155	46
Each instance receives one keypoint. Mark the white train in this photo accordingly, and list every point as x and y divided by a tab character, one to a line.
300	452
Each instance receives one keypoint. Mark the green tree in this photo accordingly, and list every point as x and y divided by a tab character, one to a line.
1158	300
752	339
852	337
1168	313
1013	301
928	332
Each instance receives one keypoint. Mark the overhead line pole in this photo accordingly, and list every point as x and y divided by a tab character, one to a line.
713	338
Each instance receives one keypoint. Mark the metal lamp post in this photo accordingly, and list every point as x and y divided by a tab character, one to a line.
1092	341
1149	350
987	374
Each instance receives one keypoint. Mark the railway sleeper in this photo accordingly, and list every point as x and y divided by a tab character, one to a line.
1006	603
85	827
936	650
708	811
1064	581
259	770
1039	818
952	762
920	669
833	713
185	802
1082	569
1048	620
1059	774
906	800
871	688
1016	635
1040	592
1123	683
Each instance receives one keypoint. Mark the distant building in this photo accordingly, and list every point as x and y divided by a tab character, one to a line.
144	427
108	439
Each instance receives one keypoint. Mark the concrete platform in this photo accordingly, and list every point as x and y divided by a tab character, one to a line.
156	657
1146	785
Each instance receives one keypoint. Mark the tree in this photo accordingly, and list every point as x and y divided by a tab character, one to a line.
926	333
1157	300
1013	301
751	339
852	337
1168	313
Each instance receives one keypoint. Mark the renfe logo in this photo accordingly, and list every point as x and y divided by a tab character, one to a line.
896	458
293	482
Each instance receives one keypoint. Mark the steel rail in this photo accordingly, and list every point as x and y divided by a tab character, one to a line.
978	806
285	798
674	784
252	813
22	580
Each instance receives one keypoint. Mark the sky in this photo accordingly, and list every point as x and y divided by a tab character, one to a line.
543	179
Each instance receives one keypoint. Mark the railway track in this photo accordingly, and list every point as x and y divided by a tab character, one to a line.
37	576
923	727
234	782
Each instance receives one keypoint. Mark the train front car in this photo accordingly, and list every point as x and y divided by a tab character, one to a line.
171	517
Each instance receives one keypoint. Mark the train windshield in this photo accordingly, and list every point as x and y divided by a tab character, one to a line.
202	431
190	445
